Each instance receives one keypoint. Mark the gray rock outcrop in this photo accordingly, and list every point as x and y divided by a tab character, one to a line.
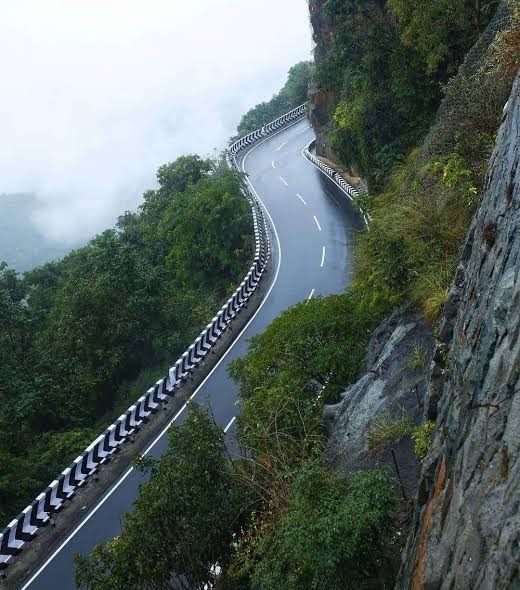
321	101
466	531
395	383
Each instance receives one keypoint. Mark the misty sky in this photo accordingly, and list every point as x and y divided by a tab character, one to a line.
96	95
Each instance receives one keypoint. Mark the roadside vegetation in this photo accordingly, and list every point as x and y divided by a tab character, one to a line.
82	338
292	95
281	517
417	93
277	516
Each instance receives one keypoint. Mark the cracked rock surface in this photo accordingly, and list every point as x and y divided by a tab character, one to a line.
466	530
392	385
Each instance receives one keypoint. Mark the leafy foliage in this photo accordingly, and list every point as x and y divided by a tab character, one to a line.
292	95
442	30
423	437
76	334
384	71
321	342
422	216
334	535
418	358
183	520
384	100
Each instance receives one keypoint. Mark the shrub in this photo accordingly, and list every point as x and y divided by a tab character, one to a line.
292	95
386	431
418	358
318	343
334	535
423	437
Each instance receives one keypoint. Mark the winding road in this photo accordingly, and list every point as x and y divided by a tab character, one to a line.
313	224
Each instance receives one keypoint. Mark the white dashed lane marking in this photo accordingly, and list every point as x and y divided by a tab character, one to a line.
230	423
317	223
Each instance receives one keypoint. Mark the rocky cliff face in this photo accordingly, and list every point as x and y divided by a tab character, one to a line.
398	360
321	101
466	531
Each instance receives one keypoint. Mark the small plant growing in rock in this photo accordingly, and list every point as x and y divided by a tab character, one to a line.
386	432
419	357
423	437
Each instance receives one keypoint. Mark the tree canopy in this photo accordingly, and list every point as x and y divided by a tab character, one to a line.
183	521
80	337
384	72
293	94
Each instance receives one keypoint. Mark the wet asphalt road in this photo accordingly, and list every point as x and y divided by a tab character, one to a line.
313	228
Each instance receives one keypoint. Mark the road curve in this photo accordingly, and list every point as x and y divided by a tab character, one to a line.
313	226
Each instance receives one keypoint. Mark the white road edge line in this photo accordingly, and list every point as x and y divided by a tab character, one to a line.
272	164
284	181
317	223
264	300
281	146
230	423
322	257
301	198
311	295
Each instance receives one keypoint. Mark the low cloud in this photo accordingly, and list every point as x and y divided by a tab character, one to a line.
95	96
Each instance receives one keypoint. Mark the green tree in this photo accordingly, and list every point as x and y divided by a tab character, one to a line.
193	229
442	30
384	98
176	176
183	520
314	344
292	95
81	338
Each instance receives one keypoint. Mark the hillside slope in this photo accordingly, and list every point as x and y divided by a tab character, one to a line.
444	240
467	521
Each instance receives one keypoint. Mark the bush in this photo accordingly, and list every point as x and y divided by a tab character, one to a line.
334	535
386	432
292	95
319	343
419	357
423	437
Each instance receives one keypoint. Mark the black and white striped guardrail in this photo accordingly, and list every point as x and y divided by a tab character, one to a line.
268	129
26	526
345	186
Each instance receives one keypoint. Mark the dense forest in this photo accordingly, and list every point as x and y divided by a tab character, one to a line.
389	67
415	114
82	338
386	71
293	94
